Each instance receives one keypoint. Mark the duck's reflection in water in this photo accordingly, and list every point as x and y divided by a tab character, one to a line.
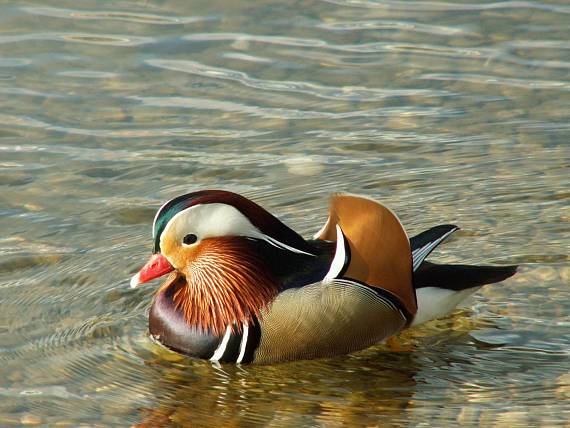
373	387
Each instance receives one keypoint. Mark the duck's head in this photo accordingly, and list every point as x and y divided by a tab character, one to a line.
219	243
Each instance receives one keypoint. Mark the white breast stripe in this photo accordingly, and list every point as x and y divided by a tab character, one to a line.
243	344
339	257
219	352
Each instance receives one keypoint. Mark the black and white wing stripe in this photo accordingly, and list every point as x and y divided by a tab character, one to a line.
384	297
424	243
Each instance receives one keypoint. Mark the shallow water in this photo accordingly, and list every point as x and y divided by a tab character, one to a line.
446	111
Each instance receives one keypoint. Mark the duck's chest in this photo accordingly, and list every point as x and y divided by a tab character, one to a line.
168	326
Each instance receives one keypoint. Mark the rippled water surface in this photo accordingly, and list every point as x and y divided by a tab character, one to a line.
447	111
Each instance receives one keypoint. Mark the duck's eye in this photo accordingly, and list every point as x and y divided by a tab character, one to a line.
190	239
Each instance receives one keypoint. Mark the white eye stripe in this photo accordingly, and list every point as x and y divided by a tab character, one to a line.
216	220
208	221
281	245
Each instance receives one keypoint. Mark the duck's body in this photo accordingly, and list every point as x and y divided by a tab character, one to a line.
246	288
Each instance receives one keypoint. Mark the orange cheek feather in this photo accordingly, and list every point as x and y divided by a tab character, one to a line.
227	283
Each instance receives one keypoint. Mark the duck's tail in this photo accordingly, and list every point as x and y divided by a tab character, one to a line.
440	288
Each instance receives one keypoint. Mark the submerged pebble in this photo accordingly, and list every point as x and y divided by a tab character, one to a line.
30	419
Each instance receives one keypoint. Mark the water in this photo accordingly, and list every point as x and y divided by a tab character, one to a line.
448	111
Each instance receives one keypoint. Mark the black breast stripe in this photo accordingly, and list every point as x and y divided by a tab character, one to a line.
239	347
231	353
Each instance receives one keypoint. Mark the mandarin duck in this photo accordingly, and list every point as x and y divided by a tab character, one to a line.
243	287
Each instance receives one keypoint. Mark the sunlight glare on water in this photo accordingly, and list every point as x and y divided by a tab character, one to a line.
447	111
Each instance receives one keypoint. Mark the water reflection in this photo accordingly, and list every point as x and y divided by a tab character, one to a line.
330	392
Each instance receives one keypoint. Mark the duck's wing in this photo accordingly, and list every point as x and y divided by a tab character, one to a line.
424	243
460	277
325	319
440	288
365	297
375	248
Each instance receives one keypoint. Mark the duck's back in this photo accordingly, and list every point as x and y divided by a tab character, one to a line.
379	249
367	299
